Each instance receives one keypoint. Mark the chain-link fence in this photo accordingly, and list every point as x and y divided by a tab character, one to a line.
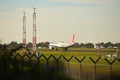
41	67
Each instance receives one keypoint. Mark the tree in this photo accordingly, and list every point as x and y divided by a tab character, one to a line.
76	45
117	45
13	45
89	45
1	46
109	45
29	45
82	45
43	44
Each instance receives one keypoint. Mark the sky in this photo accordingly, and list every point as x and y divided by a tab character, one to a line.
56	20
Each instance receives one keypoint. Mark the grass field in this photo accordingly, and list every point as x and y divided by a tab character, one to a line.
102	67
80	55
73	68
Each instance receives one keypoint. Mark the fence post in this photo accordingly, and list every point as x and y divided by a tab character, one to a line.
80	61
57	63
47	60
68	60
9	60
4	62
23	61
118	59
94	66
47	63
38	58
30	56
110	63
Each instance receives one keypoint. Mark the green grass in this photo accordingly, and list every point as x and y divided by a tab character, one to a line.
79	55
102	67
75	52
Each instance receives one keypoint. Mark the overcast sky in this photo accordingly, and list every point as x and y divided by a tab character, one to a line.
90	20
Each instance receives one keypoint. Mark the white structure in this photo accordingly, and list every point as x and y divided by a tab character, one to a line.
112	56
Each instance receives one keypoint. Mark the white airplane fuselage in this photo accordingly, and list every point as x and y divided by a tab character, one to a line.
64	45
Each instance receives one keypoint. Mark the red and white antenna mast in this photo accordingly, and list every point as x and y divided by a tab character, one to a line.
24	32
34	31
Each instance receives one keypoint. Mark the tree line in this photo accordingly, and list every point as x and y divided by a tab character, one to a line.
14	44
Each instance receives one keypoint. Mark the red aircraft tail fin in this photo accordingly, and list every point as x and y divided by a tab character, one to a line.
73	38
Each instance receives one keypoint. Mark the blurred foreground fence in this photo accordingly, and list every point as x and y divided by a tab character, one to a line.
41	67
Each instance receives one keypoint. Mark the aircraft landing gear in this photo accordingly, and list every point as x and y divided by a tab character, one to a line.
65	49
56	48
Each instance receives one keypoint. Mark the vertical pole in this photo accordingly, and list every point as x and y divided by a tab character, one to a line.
80	72
68	72
24	33
34	31
57	67
110	72
22	64
94	72
48	69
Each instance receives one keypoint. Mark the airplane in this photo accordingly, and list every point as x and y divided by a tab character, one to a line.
63	45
